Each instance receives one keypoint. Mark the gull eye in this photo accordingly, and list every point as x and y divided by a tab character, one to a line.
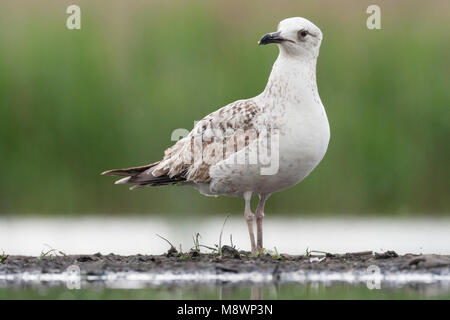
302	33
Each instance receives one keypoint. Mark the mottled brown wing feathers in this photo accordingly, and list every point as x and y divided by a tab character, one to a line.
227	123
180	163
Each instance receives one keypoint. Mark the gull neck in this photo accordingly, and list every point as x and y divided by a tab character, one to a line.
292	78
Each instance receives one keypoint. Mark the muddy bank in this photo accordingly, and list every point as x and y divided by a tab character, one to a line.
231	262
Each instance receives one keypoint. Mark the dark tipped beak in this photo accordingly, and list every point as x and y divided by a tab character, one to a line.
273	37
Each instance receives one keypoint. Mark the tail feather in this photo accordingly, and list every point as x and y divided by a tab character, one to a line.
129	171
142	177
122	181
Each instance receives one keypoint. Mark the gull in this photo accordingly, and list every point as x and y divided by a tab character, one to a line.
257	146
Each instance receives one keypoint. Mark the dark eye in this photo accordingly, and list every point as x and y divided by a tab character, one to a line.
303	33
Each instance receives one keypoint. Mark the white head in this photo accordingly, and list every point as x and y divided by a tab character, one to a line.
296	37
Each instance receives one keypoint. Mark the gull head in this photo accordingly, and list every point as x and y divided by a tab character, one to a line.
296	37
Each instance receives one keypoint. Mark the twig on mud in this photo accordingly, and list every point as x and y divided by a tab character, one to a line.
170	244
196	241
48	253
220	237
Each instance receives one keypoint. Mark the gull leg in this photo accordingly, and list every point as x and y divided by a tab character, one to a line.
249	217
259	221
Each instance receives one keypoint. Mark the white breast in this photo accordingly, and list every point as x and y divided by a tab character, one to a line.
303	143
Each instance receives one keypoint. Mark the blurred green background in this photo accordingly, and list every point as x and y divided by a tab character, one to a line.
75	103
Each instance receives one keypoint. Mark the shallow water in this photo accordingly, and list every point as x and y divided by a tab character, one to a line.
227	292
139	286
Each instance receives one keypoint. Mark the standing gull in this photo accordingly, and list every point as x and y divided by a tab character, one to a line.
256	146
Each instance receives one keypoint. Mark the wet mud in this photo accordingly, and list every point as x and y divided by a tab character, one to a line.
228	261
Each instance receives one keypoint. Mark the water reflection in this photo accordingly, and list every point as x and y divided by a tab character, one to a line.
256	293
229	292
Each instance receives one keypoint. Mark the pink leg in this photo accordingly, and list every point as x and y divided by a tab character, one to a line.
249	217
259	221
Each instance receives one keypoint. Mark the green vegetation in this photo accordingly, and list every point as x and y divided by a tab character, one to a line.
50	252
216	251
3	257
276	255
75	103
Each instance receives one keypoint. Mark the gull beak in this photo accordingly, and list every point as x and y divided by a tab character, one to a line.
273	37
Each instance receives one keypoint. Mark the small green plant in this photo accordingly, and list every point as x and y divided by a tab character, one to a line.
197	245
195	250
185	255
210	248
277	255
51	252
258	253
3	257
196	241
309	252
